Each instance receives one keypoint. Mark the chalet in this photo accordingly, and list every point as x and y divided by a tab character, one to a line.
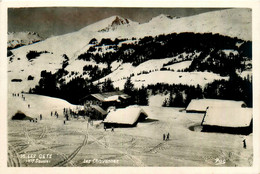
201	105
117	99
125	117
228	120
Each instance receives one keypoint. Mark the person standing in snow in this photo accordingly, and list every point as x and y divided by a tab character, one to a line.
40	116
244	143
168	136
163	137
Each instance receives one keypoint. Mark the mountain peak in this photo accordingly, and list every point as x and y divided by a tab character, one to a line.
162	17
119	21
110	23
115	21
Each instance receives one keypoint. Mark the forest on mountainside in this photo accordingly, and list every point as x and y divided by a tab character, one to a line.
211	46
212	58
236	88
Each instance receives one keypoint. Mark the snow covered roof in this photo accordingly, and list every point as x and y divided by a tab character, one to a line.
127	115
228	51
113	98
228	117
109	96
99	109
200	105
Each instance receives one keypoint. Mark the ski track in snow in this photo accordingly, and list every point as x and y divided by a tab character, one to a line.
138	146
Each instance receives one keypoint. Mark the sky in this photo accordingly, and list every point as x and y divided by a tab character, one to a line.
53	21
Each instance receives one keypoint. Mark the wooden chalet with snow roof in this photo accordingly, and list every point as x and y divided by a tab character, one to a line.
234	120
125	117
105	100
201	105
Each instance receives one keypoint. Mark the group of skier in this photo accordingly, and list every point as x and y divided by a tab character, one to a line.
112	128
17	95
166	137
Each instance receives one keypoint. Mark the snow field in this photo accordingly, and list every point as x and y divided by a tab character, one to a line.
38	105
77	141
169	77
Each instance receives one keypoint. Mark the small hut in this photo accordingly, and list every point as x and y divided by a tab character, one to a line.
228	120
127	117
21	116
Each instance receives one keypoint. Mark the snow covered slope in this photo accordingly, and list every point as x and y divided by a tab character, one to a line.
230	22
37	103
70	43
21	69
168	77
150	72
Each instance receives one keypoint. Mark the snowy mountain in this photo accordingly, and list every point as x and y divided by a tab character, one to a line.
231	22
117	23
17	39
86	53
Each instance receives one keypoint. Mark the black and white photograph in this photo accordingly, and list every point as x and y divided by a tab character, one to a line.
130	87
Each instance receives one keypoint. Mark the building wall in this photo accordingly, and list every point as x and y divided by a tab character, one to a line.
231	130
194	111
115	125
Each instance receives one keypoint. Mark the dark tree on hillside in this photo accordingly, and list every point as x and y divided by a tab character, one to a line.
9	53
92	89
108	86
30	77
246	49
65	57
193	93
32	55
178	100
93	41
74	90
164	103
85	56
129	89
141	96
235	88
129	86
47	84
106	41
65	62
171	101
